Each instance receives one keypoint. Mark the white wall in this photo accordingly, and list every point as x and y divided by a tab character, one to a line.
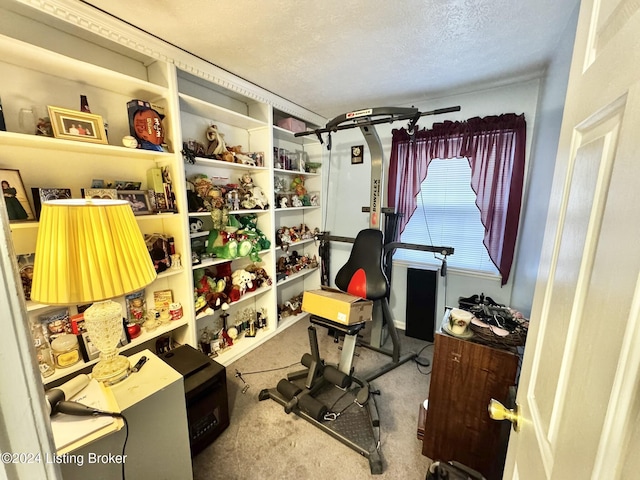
543	158
349	185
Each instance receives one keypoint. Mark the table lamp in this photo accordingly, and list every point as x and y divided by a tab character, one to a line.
91	251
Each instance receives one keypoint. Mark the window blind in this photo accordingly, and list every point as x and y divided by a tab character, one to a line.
446	215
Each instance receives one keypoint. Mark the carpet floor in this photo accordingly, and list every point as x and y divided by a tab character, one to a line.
263	442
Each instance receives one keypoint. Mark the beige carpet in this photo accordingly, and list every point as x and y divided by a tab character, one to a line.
263	442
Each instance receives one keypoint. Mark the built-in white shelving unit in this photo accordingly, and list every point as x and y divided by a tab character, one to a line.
83	56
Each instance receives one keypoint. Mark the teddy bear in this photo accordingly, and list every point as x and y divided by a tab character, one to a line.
261	275
242	279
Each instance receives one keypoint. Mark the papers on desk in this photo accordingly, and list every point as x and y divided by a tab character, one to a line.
70	429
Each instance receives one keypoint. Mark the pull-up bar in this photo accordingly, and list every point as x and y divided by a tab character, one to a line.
364	119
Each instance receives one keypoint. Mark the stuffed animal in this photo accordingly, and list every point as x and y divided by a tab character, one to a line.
249	229
242	279
297	185
241	157
217	145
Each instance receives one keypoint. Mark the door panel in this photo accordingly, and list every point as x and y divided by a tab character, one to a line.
578	392
565	276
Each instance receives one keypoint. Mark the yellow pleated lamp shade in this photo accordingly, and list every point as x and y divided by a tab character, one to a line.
88	250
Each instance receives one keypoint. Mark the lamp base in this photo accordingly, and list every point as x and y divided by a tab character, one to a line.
111	371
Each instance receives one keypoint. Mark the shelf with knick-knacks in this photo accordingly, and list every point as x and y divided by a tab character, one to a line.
198	113
42	149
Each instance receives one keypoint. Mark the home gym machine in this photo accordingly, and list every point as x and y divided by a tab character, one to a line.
345	413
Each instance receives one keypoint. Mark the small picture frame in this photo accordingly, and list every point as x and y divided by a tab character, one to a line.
76	125
15	196
139	200
90	352
108	193
357	154
41	195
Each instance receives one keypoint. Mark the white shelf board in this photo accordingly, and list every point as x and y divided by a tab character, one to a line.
295	244
144	337
203	109
212	162
297	275
22	140
47	62
294	172
292	209
288	136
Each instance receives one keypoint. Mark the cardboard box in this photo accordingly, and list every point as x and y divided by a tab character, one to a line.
337	306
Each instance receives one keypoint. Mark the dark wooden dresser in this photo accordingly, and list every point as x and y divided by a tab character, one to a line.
464	378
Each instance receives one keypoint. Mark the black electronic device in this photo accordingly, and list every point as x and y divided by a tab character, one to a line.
205	386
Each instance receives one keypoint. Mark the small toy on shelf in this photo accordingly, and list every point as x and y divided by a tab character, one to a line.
145	125
217	145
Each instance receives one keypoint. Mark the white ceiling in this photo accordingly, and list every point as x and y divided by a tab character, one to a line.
335	56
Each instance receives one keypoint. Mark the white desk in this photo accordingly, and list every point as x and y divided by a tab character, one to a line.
153	402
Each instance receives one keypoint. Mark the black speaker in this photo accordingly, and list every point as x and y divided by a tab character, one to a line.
422	289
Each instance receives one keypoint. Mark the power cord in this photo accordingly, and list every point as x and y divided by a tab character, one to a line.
423	362
246	386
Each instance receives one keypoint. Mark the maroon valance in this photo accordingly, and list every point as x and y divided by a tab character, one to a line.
495	148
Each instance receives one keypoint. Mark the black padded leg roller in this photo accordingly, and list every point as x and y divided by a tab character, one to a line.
313	407
288	389
335	376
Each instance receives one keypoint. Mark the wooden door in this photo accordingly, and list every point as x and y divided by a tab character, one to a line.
578	389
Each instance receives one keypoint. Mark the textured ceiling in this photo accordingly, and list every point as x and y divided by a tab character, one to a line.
335	56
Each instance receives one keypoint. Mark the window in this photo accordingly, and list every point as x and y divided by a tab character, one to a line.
447	215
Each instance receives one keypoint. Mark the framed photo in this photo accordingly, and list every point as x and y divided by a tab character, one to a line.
41	195
109	193
75	125
139	200
15	196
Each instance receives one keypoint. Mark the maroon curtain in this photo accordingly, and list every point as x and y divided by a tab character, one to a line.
495	148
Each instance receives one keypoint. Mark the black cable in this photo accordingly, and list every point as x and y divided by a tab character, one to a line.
265	371
340	398
126	438
79	409
417	362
